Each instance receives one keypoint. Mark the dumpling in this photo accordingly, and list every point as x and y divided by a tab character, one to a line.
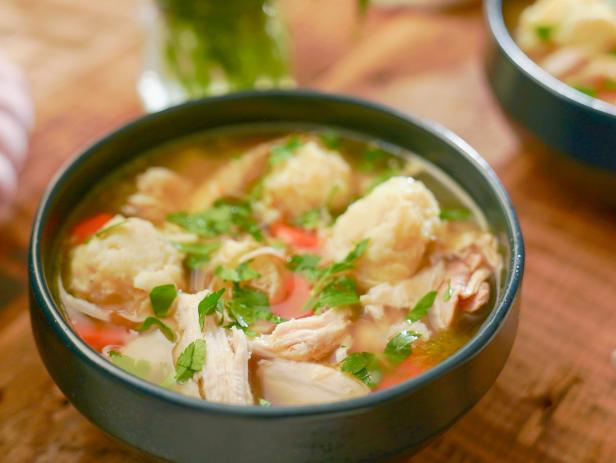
159	192
399	217
310	179
118	269
591	26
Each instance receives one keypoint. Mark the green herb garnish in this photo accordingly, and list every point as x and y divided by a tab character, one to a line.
158	323
587	90
264	403
283	152
330	139
161	298
105	231
364	366
455	214
242	273
340	291
197	254
224	217
210	304
190	361
328	279
421	308
249	305
139	368
382	178
310	219
306	265
544	32
400	346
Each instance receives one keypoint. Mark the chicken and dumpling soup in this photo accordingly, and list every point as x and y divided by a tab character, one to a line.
574	40
263	267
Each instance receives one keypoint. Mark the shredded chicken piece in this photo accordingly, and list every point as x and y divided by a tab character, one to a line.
286	382
187	318
235	178
307	339
225	375
399	217
159	192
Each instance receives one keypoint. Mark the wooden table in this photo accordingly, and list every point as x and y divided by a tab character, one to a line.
556	399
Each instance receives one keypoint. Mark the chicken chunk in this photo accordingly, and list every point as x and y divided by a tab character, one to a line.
399	217
285	382
225	377
160	191
306	339
234	179
117	270
312	178
403	294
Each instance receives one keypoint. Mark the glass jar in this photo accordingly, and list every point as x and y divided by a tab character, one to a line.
196	48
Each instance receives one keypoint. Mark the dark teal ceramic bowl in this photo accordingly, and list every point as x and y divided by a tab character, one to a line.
178	428
569	121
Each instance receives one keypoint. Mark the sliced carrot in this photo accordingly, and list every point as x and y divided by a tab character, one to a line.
298	293
298	237
408	369
99	337
83	230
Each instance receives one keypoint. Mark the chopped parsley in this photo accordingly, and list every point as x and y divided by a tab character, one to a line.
455	214
309	219
586	89
190	361
421	308
264	403
330	139
306	265
283	152
329	280
158	323
107	230
224	217
249	305
242	273
197	254
364	366
372	158
161	298
400	346
139	368
211	303
544	32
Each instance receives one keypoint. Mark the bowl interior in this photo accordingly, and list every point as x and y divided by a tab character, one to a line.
435	144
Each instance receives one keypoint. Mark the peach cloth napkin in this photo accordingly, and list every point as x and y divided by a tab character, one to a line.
16	121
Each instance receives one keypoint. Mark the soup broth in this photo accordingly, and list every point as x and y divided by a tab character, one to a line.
277	266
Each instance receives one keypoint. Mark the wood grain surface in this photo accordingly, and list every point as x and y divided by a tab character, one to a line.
556	398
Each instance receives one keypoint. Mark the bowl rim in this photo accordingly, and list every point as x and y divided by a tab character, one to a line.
45	302
495	18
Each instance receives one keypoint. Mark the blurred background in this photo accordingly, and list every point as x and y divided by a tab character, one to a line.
81	68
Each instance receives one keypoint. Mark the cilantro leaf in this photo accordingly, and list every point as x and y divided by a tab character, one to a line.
210	304
264	403
544	32
161	298
249	305
348	263
421	308
139	368
306	265
339	292
283	152
455	214
197	254
364	366
190	361
400	346
309	219
162	326
242	273
590	91
225	216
